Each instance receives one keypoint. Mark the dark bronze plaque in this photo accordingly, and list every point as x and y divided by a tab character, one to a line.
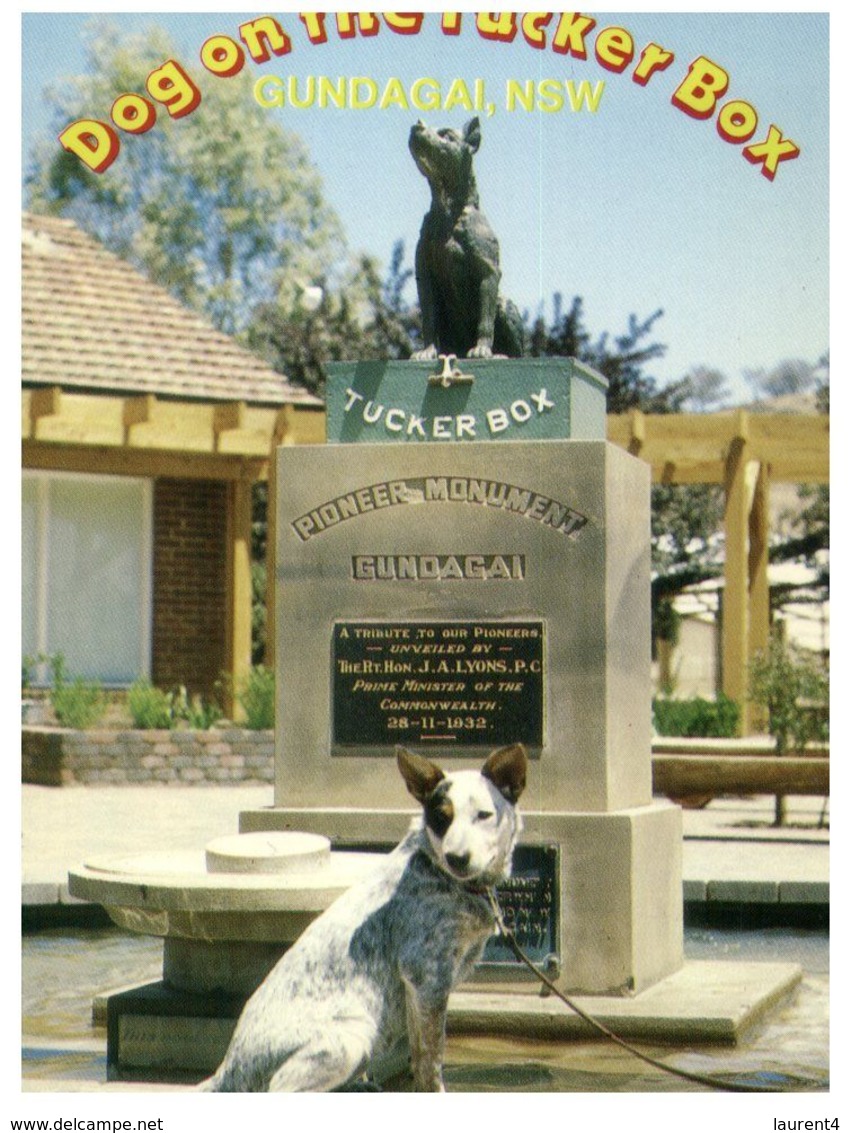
529	903
476	683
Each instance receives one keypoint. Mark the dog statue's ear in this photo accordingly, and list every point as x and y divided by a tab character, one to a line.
506	769
473	134
421	775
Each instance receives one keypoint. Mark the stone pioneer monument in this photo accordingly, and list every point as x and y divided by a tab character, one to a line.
466	563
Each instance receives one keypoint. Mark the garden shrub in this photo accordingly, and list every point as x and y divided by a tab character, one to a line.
257	698
149	707
793	685
77	704
697	717
196	712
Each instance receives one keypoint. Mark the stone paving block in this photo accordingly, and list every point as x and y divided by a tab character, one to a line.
39	893
753	892
804	892
694	890
65	897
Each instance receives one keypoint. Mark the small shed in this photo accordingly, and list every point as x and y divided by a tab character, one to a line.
144	432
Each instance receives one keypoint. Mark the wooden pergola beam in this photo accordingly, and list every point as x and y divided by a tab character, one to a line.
145	463
759	599
145	422
43	404
745	452
681	448
137	411
691	448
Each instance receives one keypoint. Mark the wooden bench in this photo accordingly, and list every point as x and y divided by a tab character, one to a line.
691	768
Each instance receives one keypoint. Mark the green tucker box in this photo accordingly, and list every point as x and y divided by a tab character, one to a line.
497	399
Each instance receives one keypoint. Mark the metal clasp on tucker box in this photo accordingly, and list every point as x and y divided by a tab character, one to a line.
450	375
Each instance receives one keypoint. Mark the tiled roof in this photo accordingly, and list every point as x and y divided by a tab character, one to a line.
92	322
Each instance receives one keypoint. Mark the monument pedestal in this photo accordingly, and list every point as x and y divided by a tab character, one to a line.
460	597
621	900
463	566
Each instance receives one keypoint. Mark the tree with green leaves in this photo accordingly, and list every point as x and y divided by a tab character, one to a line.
793	686
808	527
365	317
685	517
706	390
621	360
684	521
789	376
224	208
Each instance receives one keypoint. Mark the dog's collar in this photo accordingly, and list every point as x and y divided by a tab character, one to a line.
474	887
477	888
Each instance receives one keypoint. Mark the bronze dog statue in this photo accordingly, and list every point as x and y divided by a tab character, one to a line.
457	259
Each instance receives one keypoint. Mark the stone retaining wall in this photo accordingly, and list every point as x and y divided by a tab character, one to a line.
58	757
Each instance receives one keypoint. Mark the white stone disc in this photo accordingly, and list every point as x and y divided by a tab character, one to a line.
268	852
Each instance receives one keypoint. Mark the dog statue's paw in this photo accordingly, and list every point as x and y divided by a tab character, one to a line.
480	350
426	355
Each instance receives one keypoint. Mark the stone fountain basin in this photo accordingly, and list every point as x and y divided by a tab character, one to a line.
225	913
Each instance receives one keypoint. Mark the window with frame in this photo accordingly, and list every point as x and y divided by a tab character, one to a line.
86	572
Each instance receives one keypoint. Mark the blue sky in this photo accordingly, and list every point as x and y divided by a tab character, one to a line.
634	207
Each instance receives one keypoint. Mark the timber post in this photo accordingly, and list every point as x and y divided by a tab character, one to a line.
238	630
736	599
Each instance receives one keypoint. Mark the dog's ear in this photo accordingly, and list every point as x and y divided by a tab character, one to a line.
421	775
473	134
506	769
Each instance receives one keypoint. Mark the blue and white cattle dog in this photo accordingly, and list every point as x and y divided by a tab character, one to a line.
376	969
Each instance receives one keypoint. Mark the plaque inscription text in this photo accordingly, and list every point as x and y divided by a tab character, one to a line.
474	683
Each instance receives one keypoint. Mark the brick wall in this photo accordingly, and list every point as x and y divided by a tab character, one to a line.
190	590
57	757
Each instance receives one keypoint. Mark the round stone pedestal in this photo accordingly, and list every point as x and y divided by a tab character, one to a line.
225	913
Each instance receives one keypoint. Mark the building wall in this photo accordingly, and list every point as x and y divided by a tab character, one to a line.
694	661
189	584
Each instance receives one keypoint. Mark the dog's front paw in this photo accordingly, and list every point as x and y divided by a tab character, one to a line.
429	1084
426	355
480	350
